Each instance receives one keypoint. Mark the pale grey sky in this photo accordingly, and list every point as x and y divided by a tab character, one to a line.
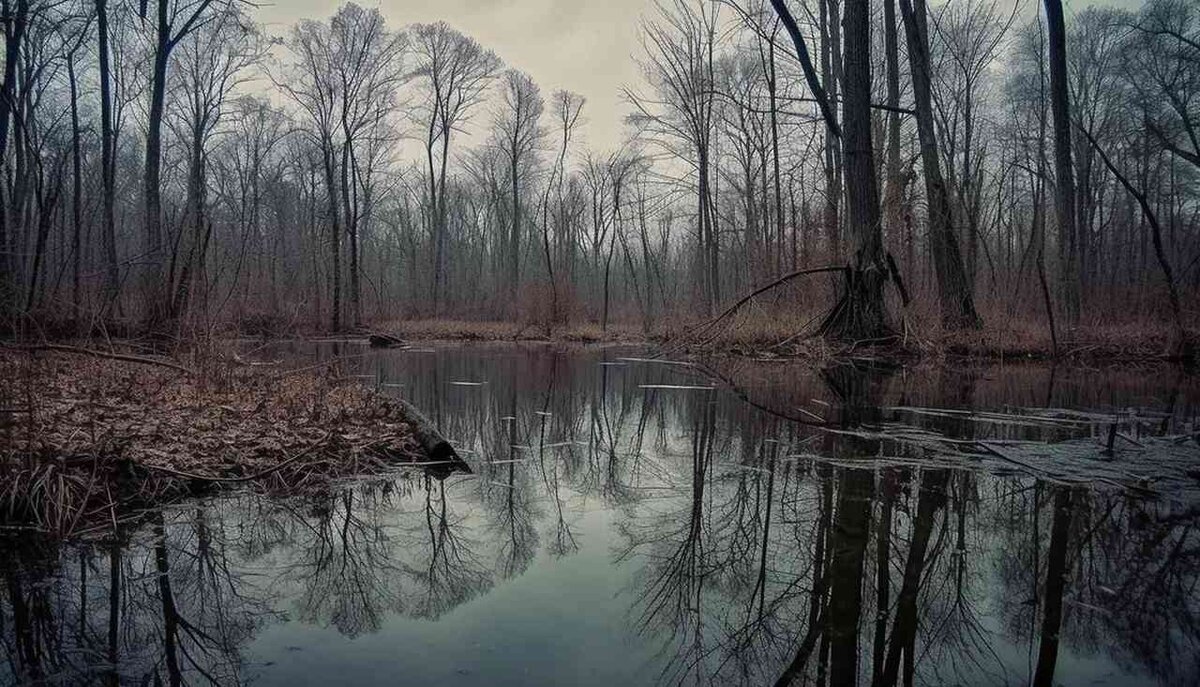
587	46
581	45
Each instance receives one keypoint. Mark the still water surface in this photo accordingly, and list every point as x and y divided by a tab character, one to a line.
639	523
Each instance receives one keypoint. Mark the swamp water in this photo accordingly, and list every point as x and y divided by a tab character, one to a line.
634	523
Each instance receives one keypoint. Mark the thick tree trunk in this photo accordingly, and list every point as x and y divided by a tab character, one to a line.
435	290
514	265
440	276
833	180
772	85
14	32
350	211
861	314
1064	184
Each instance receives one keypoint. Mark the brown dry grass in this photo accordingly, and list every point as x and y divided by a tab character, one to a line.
784	332
79	434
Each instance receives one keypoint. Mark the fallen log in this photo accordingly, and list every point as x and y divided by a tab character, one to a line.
431	441
380	340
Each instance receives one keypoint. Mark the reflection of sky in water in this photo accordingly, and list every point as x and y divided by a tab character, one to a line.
613	533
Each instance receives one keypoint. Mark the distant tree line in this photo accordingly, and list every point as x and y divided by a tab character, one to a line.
169	163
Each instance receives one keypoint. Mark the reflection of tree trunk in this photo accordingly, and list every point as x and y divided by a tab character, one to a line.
904	629
761	583
1056	582
22	628
819	606
170	614
816	609
850	532
883	567
114	610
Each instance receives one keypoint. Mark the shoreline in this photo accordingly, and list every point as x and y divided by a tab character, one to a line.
1085	345
82	435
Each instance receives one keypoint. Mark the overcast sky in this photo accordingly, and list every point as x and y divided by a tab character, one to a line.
585	46
581	45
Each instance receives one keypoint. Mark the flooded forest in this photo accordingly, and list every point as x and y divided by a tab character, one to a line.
646	342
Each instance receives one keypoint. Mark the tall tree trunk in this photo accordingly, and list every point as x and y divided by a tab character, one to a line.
861	313
335	233
772	85
76	197
833	181
954	287
440	267
892	191
108	223
1064	184
14	32
191	233
154	288
350	211
514	265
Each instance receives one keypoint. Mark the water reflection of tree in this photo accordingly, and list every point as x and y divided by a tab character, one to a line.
765	549
453	572
672	545
174	612
347	571
1115	576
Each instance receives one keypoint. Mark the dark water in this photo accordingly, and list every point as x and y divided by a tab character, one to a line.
762	525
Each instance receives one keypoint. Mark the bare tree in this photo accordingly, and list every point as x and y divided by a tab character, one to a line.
861	314
17	17
172	22
954	288
567	109
211	64
680	49
1064	173
455	72
518	134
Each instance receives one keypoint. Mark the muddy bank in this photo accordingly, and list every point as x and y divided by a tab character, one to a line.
81	434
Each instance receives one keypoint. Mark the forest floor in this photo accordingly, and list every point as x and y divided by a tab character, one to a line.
1013	340
81	434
